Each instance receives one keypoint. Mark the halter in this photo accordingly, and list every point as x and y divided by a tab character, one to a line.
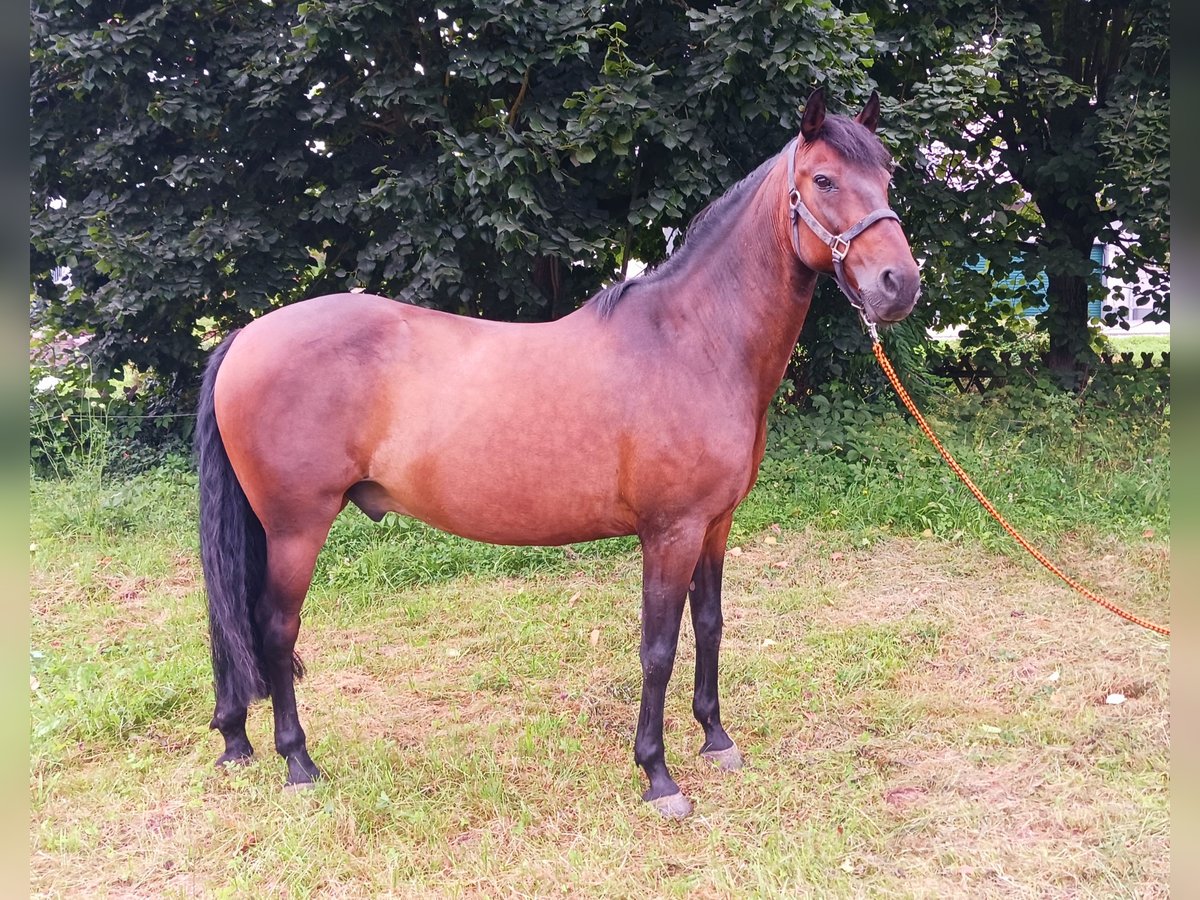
839	244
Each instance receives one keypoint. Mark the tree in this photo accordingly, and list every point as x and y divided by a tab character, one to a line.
197	162
1043	128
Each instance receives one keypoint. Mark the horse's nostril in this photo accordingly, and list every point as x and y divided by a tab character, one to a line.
898	284
887	280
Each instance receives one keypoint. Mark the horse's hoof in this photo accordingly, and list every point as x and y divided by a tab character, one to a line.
728	760
225	760
297	787
302	771
672	806
298	779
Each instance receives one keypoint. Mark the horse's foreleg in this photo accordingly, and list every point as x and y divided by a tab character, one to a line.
290	562
668	561
707	621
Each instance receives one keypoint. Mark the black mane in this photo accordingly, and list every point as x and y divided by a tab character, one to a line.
857	144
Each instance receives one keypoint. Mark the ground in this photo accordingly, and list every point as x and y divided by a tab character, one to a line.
922	718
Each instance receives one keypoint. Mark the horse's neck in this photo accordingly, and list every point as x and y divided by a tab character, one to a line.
744	303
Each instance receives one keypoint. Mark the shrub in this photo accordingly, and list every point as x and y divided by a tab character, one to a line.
122	425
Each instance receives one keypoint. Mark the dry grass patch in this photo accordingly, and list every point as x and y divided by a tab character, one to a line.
922	718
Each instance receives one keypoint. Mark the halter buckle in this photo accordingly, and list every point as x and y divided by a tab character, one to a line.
840	247
870	326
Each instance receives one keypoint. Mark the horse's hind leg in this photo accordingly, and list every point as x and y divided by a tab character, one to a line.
291	558
707	622
230	719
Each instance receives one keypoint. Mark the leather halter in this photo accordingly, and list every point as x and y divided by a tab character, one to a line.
839	244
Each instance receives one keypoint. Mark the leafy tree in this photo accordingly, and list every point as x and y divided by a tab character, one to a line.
1040	127
196	162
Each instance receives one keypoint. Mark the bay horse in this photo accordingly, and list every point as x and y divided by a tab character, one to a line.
642	412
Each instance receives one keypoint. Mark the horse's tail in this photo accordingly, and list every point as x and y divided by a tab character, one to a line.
233	554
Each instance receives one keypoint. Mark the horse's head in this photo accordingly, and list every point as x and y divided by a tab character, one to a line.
840	220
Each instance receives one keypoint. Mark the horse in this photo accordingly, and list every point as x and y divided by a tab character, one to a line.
643	412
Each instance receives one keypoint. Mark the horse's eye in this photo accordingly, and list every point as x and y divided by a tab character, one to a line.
823	182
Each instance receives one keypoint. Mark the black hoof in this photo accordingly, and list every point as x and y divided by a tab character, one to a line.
234	758
302	771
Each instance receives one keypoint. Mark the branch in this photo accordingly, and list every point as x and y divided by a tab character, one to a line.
380	126
1116	49
512	113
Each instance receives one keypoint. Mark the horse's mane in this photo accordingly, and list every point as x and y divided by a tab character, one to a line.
703	226
847	137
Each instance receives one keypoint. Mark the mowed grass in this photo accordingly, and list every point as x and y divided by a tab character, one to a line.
1137	344
925	713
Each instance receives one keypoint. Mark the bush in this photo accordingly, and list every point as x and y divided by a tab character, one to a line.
122	425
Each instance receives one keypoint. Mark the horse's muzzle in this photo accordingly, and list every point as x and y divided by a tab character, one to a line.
894	294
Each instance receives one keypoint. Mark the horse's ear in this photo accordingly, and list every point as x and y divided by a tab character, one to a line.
814	114
869	117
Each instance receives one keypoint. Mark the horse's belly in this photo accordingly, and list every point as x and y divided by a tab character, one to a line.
503	498
540	533
509	512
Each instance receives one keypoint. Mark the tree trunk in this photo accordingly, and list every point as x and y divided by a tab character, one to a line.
1067	323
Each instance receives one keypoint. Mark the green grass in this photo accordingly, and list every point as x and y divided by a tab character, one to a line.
1158	344
923	709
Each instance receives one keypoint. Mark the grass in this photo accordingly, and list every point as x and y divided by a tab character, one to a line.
924	712
1158	344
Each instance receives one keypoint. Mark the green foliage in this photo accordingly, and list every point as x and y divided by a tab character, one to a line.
1157	345
83	692
88	500
834	353
79	423
400	552
202	162
503	159
1051	124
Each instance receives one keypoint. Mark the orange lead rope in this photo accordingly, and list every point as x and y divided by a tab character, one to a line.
987	504
839	246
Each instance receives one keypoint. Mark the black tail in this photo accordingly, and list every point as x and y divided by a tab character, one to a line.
233	553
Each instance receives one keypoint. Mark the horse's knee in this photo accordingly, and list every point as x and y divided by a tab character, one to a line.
708	625
227	719
658	658
290	739
278	632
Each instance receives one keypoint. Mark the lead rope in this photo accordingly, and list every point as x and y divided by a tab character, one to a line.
886	365
839	245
